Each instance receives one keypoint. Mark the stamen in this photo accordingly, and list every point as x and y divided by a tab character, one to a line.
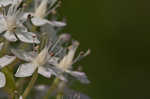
81	56
50	10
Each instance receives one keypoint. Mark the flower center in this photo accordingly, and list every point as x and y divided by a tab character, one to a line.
11	23
42	58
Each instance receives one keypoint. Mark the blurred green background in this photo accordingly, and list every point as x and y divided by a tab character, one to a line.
118	33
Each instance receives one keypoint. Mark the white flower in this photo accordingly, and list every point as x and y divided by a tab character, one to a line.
4	61
42	61
42	9
12	27
35	61
65	64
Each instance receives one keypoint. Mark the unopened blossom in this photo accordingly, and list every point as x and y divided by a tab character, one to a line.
41	61
42	9
4	61
12	27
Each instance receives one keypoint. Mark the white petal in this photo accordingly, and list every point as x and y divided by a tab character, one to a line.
58	23
2	80
25	70
53	60
20	97
38	21
26	56
10	36
81	76
5	60
44	72
1	46
5	2
28	37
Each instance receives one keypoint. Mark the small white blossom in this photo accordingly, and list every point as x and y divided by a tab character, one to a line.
65	64
41	11
12	27
36	62
42	61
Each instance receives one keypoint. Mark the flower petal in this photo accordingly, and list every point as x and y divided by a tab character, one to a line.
5	60
5	2
2	80
81	76
53	61
38	21
28	37
57	72
10	36
44	72
58	23
25	70
26	56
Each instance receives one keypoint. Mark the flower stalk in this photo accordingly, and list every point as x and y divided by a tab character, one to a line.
30	85
52	88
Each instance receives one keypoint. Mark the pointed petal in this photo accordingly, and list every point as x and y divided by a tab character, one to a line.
1	46
56	72
44	72
23	55
2	80
58	23
5	2
53	60
10	36
25	70
38	21
28	37
5	60
81	76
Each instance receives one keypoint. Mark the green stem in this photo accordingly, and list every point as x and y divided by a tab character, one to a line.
59	95
10	84
52	88
30	85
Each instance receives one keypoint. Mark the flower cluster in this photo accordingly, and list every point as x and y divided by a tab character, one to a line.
30	45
